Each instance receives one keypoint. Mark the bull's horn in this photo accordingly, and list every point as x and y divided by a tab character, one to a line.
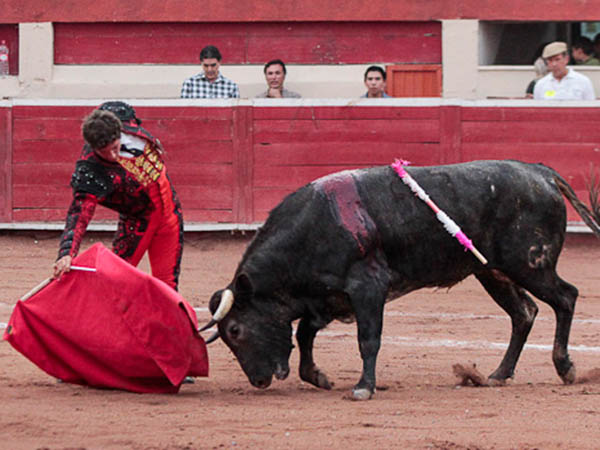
213	338
207	326
224	306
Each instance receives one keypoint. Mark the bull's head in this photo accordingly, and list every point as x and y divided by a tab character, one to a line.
256	330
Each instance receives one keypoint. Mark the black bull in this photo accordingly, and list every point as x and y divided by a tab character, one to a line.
341	246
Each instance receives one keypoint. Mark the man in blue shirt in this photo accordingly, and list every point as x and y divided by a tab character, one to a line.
375	83
210	83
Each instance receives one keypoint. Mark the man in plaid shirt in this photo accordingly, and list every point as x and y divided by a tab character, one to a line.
210	84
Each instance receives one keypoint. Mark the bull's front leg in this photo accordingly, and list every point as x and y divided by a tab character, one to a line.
309	372
368	289
369	341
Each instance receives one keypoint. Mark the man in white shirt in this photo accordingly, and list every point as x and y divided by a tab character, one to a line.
562	82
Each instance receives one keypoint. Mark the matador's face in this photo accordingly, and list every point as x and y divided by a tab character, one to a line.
110	152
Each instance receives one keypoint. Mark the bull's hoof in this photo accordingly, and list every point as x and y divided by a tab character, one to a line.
569	377
281	372
316	378
361	394
495	382
323	381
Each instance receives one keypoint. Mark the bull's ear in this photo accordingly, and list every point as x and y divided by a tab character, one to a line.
243	286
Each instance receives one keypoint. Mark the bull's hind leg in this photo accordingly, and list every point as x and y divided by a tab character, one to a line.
522	311
561	296
309	372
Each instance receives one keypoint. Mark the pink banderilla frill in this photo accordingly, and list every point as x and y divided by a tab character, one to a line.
448	223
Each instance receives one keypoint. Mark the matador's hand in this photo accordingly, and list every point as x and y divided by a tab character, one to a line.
61	266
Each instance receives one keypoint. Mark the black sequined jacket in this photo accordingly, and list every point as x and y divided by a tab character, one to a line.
121	186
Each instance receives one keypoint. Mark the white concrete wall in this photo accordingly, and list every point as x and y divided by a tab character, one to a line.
36	53
161	81
459	58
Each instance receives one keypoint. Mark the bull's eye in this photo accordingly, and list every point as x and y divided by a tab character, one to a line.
234	331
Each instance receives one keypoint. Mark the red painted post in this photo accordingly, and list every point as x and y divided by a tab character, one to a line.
5	164
243	161
450	134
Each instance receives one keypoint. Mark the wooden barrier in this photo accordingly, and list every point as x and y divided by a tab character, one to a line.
231	161
5	164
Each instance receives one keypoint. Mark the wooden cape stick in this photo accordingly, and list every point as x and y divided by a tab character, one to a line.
448	223
47	281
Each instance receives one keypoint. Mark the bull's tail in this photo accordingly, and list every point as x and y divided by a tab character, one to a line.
590	217
593	186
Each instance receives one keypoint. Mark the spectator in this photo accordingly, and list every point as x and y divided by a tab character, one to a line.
562	83
375	83
275	73
540	68
210	83
583	52
121	167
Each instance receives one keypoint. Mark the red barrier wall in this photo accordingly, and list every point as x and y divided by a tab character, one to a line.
232	164
284	10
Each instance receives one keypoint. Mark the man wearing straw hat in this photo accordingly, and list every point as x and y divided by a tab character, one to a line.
562	83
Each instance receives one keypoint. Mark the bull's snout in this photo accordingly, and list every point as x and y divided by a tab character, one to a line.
261	382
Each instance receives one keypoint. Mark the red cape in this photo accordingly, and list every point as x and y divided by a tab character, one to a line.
117	327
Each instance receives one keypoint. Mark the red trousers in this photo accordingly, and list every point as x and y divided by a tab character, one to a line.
163	237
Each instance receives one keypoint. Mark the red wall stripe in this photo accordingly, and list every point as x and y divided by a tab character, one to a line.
337	113
248	43
306	10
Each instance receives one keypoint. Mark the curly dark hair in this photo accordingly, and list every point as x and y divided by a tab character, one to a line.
101	128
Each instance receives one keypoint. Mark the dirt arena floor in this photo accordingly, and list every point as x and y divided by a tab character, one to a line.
417	405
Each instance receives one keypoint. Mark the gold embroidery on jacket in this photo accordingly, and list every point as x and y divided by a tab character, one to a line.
145	168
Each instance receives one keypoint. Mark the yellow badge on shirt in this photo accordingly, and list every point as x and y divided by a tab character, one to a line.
549	94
